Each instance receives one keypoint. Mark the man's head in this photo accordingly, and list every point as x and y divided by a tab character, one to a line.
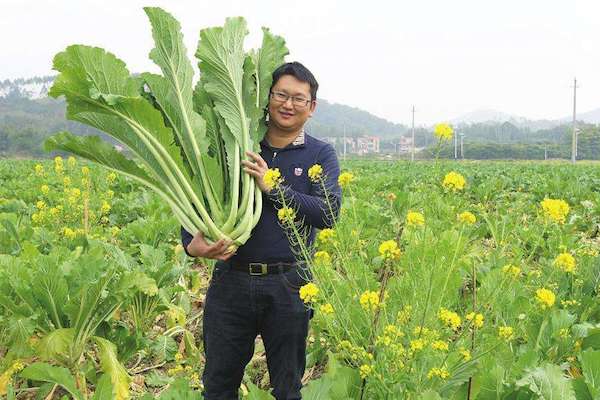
293	96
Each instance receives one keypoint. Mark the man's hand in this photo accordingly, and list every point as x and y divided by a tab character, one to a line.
257	169
199	247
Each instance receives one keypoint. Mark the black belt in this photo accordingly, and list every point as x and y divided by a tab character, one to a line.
256	268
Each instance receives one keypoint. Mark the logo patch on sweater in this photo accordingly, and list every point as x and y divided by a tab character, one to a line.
297	171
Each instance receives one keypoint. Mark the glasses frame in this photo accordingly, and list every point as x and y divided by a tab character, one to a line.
304	102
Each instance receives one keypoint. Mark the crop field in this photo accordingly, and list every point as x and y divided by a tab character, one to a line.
439	280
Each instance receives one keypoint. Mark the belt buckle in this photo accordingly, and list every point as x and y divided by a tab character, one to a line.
253	271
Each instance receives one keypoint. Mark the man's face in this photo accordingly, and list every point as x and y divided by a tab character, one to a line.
290	115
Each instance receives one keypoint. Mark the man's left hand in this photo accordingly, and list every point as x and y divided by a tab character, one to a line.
257	168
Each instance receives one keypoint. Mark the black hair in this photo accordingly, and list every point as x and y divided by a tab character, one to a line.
298	71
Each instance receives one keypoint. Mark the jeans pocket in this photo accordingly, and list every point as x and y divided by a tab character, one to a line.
219	271
295	278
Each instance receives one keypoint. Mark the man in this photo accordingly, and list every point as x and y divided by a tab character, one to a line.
255	290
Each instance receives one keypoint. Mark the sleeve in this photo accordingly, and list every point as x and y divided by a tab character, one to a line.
313	206
186	238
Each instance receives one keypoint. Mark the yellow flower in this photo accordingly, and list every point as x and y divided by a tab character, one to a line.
85	170
439	345
414	218
322	258
369	300
443	131
114	230
110	194
326	309
545	298
466	217
345	179
565	262
511	270
39	169
466	354
272	178
389	250
404	314
449	318
71	161
315	173
326	235
286	215
365	370
105	208
75	192
54	211
506	333
45	190
308	292
66	181
111	177
40	205
417	344
391	196
37	218
69	233
58	164
441	373
476	318
454	181
556	210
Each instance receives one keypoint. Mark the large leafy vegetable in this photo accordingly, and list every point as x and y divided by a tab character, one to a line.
187	142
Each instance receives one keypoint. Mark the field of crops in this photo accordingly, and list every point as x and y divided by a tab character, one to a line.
440	280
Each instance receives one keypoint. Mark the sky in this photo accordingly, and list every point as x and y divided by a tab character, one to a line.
446	58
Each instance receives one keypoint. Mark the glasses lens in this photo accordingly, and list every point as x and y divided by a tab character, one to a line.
299	101
280	96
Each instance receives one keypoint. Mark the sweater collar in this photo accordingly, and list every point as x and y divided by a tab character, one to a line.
299	141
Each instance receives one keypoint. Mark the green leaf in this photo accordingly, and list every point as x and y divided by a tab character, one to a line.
430	395
581	390
56	345
164	348
548	382
592	340
339	382
590	363
104	389
107	353
47	373
180	390
256	393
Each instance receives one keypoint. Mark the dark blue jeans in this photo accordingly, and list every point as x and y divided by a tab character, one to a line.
240	306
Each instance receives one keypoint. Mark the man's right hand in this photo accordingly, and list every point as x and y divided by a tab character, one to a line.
199	247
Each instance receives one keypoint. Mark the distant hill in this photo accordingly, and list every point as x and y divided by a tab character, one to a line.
491	117
332	119
591	117
28	116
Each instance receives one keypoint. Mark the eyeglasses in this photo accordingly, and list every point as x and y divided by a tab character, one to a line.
281	97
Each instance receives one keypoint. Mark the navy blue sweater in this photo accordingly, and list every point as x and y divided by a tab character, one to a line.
269	242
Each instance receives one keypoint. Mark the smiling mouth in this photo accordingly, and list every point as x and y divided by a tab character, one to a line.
285	114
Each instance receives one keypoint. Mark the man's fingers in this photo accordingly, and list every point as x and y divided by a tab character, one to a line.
257	158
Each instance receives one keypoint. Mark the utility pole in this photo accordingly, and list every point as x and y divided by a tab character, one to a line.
344	155
546	151
574	138
412	154
462	148
456	146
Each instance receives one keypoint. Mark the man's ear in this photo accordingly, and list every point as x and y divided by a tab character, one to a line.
313	106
